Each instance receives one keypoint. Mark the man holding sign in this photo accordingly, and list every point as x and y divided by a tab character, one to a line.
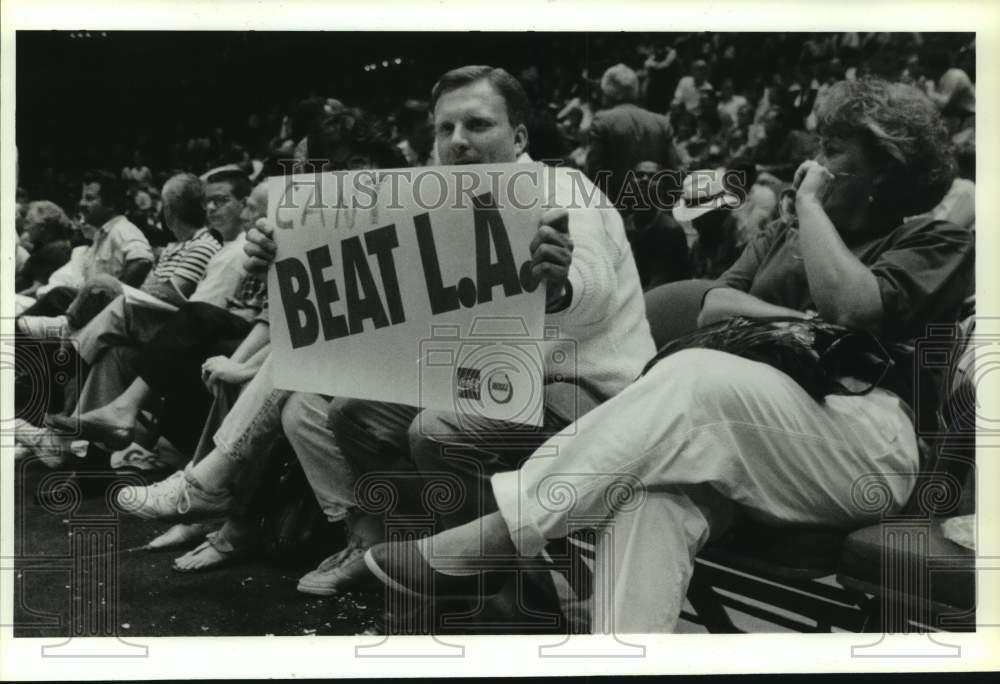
593	307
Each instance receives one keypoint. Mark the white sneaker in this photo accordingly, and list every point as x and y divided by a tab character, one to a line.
44	326
179	497
53	450
340	572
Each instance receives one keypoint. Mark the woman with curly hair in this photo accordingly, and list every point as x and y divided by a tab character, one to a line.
705	431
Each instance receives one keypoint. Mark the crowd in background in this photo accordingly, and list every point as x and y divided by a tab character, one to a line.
695	141
733	101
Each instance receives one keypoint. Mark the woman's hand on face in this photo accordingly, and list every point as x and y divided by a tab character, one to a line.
811	181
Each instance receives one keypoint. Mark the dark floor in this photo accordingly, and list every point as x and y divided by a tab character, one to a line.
254	598
74	555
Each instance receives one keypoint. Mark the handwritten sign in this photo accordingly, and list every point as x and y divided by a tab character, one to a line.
410	286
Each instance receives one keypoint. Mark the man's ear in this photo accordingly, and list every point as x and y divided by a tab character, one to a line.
878	182
520	139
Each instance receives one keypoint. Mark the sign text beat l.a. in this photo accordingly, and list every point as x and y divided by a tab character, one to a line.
377	293
310	298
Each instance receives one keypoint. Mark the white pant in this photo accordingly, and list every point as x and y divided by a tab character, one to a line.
701	430
258	418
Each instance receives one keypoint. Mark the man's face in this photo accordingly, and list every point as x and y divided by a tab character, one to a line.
471	127
92	206
223	210
773	125
255	207
645	173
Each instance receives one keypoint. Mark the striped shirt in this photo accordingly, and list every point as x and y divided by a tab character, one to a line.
185	260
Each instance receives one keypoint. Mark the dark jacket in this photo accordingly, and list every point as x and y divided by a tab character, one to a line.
620	138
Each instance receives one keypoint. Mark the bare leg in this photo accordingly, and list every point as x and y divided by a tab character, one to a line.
122	411
215	471
468	544
366	529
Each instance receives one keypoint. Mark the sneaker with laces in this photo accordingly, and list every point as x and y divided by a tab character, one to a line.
43	327
54	451
179	497
342	571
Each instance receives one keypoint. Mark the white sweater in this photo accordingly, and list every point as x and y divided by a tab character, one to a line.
606	318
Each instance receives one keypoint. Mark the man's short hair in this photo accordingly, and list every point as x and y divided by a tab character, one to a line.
620	84
185	194
112	187
510	89
238	180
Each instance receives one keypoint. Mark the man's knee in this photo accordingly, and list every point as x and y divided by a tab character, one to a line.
198	313
426	436
293	414
344	414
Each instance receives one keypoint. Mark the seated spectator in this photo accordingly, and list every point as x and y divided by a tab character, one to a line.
707	205
144	210
226	198
46	238
180	268
137	173
414	132
80	288
783	148
735	147
373	436
704	148
959	204
164	353
685	128
624	134
658	243
188	269
730	104
661	67
339	136
218	475
951	89
703	431
756	213
568	125
93	326
117	248
691	87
